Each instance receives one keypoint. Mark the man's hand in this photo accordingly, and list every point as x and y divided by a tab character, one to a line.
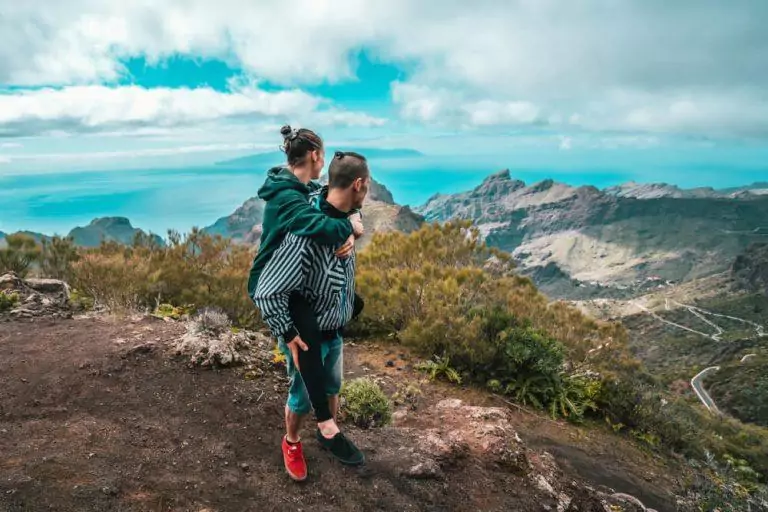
294	345
346	249
357	225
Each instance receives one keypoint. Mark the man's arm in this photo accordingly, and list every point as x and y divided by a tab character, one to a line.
304	220
284	274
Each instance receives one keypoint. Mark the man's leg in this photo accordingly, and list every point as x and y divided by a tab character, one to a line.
333	364
297	407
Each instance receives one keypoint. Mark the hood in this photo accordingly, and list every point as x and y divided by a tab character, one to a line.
278	180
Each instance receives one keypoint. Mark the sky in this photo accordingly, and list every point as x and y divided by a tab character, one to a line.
641	89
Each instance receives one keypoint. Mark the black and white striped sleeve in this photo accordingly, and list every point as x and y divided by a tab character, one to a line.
285	273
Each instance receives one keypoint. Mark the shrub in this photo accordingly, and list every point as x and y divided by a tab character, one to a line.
195	269
19	254
365	404
57	257
437	291
8	300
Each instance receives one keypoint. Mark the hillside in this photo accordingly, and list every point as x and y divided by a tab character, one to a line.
135	413
380	213
750	270
600	240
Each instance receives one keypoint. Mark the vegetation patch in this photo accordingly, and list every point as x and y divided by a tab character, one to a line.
365	404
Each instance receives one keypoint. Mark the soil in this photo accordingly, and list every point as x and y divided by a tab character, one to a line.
96	415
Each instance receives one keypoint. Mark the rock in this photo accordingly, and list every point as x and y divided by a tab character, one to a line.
48	286
110	490
544	485
627	502
245	467
223	348
38	297
428	469
144	348
10	281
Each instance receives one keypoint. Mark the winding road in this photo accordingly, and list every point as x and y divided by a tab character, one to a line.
698	388
696	381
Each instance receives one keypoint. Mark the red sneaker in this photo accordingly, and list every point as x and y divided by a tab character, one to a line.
293	456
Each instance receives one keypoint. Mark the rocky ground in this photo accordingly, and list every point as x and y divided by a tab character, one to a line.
101	413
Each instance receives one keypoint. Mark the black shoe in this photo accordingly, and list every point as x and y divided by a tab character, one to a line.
341	448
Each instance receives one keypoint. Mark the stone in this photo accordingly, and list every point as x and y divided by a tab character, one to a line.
427	469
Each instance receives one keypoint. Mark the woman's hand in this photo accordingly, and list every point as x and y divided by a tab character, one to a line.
294	345
346	249
357	225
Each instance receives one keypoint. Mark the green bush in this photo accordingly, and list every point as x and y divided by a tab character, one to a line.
365	404
480	323
8	300
20	253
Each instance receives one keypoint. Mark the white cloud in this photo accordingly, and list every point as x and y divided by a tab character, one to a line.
10	145
4	160
150	152
99	108
566	143
428	105
510	61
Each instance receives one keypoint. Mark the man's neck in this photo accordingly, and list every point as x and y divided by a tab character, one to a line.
339	200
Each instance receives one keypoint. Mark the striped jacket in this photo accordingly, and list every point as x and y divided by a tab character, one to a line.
301	265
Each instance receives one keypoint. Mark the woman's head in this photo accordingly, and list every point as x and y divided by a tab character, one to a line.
304	148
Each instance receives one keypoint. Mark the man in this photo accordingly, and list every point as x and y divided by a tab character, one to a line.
307	289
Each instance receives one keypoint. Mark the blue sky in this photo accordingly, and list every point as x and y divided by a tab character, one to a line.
582	91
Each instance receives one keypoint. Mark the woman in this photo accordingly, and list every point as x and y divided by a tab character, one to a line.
286	192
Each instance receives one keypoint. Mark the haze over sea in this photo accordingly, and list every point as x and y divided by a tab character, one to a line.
158	199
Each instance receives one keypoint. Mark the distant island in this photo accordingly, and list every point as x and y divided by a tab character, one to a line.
276	157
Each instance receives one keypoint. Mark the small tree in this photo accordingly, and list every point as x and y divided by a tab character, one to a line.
58	255
22	251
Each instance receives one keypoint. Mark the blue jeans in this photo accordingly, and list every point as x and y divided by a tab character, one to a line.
332	353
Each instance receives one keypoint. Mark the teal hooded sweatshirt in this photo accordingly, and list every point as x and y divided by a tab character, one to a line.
288	211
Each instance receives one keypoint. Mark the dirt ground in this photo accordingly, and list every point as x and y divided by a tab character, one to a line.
95	416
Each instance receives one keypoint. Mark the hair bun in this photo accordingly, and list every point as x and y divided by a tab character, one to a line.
286	131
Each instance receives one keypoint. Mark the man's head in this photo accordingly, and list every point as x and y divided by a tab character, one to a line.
348	174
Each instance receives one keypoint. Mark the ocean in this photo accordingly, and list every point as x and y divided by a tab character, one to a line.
179	198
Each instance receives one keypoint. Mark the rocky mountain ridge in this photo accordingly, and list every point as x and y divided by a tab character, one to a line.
585	241
380	212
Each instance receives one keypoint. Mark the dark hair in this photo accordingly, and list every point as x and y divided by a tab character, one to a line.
297	143
345	168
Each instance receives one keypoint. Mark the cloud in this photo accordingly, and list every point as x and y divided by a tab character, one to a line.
421	103
94	108
510	62
149	152
566	143
4	160
10	145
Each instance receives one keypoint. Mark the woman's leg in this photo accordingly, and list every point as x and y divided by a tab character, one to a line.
310	361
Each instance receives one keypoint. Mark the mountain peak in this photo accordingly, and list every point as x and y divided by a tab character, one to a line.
503	175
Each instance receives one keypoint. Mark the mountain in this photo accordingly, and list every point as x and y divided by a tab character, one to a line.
607	240
380	213
658	190
118	229
269	159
